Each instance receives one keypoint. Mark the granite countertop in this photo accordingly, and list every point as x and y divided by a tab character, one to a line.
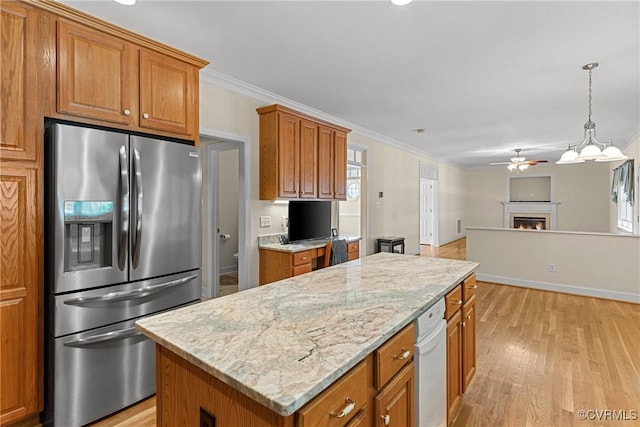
306	245
282	344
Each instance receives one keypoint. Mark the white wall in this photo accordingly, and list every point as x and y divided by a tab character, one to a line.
581	189
602	265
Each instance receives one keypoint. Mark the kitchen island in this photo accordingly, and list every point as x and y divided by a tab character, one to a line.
257	357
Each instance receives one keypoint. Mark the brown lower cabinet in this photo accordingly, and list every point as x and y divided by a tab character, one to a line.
358	398
461	342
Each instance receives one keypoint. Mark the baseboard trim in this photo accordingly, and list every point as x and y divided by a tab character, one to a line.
228	269
559	287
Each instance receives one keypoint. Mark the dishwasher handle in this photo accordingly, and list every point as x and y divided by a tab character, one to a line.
106	337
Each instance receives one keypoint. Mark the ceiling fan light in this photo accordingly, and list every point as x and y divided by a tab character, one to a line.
612	154
512	167
590	152
523	167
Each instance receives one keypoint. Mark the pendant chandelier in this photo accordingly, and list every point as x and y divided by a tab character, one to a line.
590	148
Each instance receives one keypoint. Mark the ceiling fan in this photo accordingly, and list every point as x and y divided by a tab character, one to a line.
519	163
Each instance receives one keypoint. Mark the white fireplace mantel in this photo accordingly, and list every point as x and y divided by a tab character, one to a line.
549	209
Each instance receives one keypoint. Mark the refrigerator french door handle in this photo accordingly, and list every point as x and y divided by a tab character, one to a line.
124	208
100	338
130	295
137	171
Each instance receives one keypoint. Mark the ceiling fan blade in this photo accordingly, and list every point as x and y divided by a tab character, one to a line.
500	163
535	162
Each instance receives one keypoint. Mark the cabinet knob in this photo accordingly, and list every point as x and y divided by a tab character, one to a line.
145	115
126	112
350	404
386	418
405	353
472	286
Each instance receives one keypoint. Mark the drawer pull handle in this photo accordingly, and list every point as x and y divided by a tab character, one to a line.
405	354
350	404
386	418
457	302
304	258
472	286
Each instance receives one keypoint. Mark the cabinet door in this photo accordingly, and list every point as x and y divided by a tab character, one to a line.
454	368
168	93
288	155
468	342
308	160
340	165
97	77
325	163
19	286
18	67
394	405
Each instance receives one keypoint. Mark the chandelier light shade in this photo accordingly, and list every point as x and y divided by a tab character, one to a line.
401	2
590	148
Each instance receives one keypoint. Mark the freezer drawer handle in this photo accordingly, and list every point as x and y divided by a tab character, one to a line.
137	171
109	336
124	208
132	294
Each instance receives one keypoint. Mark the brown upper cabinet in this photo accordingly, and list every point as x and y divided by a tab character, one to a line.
106	78
301	157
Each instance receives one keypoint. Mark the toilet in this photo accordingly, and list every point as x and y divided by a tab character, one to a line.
235	258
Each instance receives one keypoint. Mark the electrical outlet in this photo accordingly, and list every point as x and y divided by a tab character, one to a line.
265	221
206	419
285	221
552	267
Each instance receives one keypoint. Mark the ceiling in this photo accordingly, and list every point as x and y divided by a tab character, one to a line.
481	77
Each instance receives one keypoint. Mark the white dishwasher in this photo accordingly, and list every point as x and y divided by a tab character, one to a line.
431	367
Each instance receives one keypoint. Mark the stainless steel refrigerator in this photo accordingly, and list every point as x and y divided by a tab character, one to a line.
122	241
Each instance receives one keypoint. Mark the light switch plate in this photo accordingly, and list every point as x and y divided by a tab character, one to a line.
265	221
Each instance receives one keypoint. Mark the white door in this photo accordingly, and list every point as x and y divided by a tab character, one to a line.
426	211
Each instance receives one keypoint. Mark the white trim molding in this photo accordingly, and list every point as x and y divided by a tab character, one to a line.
559	287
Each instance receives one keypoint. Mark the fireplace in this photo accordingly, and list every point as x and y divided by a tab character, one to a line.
540	211
530	223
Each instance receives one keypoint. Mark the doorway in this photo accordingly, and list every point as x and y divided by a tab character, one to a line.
428	205
225	214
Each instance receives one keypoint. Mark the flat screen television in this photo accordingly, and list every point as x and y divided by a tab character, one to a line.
309	220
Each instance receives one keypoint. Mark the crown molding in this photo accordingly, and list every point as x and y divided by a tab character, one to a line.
634	137
216	78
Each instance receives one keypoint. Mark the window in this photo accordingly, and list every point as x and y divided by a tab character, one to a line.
349	211
622	194
625	211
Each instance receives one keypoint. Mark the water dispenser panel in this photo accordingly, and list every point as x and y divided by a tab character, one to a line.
88	234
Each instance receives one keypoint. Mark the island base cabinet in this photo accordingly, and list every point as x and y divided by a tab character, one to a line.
394	405
454	365
182	389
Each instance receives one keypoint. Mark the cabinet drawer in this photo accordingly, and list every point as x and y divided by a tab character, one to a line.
325	409
453	300
353	250
469	287
301	269
391	356
300	258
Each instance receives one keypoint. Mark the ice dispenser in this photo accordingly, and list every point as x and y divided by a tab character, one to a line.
88	235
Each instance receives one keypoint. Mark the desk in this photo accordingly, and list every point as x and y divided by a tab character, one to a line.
279	262
390	244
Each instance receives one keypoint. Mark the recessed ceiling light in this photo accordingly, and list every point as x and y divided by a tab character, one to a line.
126	2
401	2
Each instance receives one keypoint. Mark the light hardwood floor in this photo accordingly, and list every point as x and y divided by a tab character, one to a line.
541	358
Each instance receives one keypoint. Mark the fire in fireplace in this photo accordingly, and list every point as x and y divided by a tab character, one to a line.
530	223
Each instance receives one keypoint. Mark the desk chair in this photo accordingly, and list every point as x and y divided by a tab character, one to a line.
335	252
